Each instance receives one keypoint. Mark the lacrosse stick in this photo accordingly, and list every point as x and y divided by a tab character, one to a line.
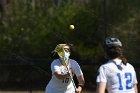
71	77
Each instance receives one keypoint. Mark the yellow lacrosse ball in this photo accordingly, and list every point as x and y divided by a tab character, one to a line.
71	27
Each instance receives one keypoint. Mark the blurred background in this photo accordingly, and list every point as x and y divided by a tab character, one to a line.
30	30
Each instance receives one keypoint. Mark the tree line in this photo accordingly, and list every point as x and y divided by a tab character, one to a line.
32	28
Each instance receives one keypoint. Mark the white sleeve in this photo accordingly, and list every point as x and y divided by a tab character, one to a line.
135	78
77	70
101	76
54	67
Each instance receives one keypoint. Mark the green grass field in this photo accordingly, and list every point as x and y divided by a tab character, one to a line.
85	91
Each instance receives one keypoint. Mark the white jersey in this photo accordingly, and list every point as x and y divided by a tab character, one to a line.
56	85
118	77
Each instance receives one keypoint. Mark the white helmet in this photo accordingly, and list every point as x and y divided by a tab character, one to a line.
111	41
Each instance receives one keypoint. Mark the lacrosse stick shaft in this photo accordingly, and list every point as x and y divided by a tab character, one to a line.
71	77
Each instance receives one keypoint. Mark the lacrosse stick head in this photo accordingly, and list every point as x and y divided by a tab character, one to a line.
63	51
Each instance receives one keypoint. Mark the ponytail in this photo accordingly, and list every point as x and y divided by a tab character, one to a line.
114	52
124	60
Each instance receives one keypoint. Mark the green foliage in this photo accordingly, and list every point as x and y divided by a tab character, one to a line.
32	29
35	27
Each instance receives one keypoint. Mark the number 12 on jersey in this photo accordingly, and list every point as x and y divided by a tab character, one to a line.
128	81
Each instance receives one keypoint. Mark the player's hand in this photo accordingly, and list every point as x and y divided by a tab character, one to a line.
78	90
69	74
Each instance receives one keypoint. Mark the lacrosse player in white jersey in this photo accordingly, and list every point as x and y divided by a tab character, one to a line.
117	75
63	70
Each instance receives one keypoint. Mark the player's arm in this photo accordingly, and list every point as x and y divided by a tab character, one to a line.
135	88
101	80
80	77
101	87
61	76
81	83
57	72
135	82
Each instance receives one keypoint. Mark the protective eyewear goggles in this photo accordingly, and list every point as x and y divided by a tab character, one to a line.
66	49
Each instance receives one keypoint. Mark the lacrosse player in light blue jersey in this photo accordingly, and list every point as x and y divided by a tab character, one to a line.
63	70
117	75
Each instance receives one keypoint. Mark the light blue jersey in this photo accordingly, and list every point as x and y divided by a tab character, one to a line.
119	78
